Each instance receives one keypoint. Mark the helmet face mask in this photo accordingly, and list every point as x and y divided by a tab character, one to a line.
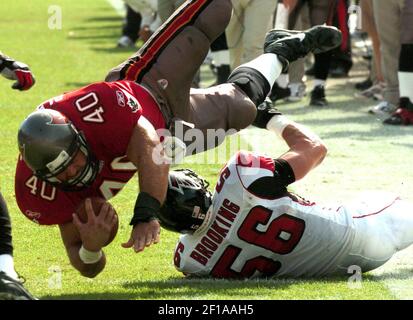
188	202
85	177
48	143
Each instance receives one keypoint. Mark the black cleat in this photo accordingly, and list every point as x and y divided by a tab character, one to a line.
12	289
292	45
400	117
278	93
364	85
318	97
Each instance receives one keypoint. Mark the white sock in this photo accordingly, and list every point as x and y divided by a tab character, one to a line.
319	82
7	265
283	80
268	65
406	85
295	86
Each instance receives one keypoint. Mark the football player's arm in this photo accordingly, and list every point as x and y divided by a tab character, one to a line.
306	151
72	241
146	152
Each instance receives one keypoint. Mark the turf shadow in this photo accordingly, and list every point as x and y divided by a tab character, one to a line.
182	288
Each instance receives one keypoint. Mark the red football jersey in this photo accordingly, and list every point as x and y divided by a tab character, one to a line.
106	113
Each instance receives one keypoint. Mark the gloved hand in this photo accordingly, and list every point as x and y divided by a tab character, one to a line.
15	70
265	111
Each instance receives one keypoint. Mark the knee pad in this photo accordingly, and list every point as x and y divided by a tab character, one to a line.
252	83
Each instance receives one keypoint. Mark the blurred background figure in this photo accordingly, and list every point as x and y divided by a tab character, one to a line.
387	16
130	29
167	7
374	85
291	85
319	12
381	22
140	22
220	59
342	62
251	19
404	112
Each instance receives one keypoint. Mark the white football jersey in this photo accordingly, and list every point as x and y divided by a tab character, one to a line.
249	236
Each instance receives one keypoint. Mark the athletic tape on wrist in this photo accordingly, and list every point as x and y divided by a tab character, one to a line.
89	257
277	124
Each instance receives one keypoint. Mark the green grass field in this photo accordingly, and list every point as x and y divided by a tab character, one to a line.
363	155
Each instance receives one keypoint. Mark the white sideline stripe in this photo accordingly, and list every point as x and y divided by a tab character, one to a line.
118	5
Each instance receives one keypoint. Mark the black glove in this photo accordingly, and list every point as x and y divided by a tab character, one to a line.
265	111
15	70
146	209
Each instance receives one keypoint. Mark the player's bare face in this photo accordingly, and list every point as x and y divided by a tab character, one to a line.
74	169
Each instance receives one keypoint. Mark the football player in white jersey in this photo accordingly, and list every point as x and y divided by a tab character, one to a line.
254	227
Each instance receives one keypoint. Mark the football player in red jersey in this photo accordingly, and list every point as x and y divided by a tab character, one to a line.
10	285
252	226
91	141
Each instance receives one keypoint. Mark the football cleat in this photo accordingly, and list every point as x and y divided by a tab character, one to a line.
403	115
400	117
374	92
12	289
292	45
383	108
364	85
125	42
318	97
298	91
278	93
